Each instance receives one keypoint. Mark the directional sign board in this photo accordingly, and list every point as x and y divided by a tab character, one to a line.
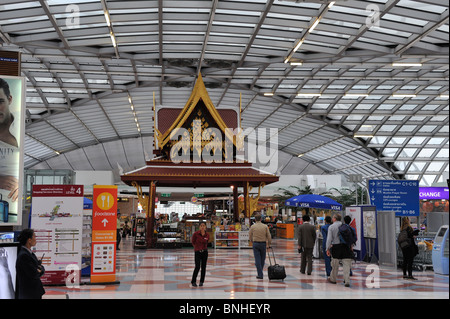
104	234
400	196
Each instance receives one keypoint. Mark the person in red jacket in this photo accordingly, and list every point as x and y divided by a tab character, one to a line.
200	243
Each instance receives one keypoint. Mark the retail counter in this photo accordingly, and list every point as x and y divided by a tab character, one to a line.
285	230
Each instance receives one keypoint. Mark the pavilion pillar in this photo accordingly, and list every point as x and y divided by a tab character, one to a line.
151	215
246	201
235	203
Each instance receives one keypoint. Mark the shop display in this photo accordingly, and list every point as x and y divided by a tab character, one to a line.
190	225
231	236
140	236
169	236
86	241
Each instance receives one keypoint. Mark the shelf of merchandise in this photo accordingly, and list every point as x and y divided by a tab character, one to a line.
231	239
141	229
169	236
189	226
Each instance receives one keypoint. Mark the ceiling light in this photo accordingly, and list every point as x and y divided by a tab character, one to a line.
108	20
331	4
300	155
268	94
296	63
314	25
113	39
298	45
444	96
363	135
406	64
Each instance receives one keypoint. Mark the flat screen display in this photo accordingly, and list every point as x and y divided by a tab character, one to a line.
442	232
8	257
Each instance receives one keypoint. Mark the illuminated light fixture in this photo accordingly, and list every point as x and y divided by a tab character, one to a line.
113	39
308	94
57	153
314	25
404	95
406	64
363	135
297	46
287	60
300	155
108	20
296	63
444	96
331	4
268	94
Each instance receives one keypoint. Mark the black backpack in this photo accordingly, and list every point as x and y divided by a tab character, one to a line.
346	235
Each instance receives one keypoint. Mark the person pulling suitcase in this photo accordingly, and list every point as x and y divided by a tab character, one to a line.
260	238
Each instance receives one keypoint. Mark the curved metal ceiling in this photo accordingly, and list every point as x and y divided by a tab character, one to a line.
324	73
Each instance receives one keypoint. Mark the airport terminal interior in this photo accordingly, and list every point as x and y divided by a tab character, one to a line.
125	125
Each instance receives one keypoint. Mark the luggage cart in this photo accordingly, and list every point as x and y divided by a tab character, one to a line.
424	259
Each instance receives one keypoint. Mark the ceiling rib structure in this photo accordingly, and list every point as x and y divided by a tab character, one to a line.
353	87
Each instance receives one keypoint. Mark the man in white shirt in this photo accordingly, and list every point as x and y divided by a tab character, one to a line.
339	252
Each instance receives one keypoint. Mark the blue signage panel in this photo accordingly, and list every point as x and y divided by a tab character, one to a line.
400	196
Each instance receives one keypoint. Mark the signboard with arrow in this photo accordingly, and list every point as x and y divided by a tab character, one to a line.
400	196
104	234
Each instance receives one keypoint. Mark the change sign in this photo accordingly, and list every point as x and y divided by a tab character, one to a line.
400	196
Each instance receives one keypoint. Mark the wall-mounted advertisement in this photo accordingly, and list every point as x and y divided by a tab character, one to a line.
12	129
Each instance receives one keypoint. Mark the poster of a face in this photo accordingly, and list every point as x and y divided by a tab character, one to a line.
12	129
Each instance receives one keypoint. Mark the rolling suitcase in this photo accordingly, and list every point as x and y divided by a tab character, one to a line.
276	272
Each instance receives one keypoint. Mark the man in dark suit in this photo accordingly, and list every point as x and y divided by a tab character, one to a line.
29	270
306	241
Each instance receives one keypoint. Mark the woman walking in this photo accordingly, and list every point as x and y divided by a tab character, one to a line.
408	246
200	243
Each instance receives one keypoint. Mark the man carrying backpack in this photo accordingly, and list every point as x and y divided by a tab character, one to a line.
340	241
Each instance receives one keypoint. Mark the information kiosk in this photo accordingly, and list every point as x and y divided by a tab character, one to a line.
440	251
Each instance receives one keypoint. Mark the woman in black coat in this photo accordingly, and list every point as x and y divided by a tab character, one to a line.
28	268
409	251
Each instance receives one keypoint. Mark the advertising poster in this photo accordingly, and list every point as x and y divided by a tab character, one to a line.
104	234
57	220
8	257
355	214
12	129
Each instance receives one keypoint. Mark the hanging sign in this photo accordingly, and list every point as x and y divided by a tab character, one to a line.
400	196
104	234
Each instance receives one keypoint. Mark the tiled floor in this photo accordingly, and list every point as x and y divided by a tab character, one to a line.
231	274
